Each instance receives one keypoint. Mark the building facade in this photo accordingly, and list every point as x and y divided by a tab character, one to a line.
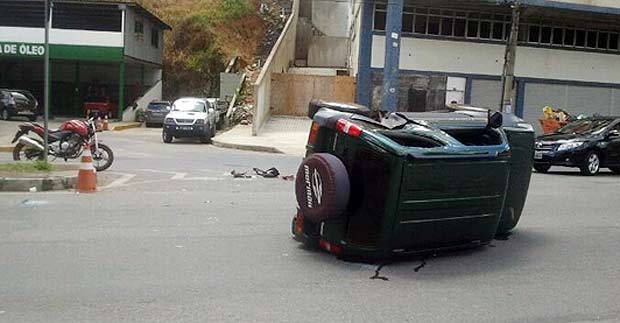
568	55
99	50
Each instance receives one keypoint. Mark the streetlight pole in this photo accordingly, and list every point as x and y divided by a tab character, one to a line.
508	75
46	82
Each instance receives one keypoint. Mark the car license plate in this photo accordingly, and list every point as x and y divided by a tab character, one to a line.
185	128
538	155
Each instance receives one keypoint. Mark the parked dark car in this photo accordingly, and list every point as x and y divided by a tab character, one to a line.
18	103
156	112
589	144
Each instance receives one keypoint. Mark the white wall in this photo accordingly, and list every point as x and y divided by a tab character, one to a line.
153	94
279	60
354	36
487	59
61	36
331	17
599	3
140	47
328	52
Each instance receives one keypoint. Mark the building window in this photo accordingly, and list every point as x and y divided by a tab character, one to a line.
569	37
82	16
580	39
22	14
155	38
591	39
408	18
380	16
491	27
613	41
139	28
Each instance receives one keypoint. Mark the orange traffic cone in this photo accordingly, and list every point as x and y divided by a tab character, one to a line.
87	175
106	126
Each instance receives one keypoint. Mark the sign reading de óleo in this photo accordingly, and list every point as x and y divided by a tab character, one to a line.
21	49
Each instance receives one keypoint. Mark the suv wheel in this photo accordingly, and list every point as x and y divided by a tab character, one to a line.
205	138
4	115
166	137
322	187
591	164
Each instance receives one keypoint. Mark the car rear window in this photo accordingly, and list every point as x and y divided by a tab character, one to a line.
158	106
18	95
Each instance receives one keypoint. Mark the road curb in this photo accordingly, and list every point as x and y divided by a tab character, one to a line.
257	148
41	184
6	149
126	126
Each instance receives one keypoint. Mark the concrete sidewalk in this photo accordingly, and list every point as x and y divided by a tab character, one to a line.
286	135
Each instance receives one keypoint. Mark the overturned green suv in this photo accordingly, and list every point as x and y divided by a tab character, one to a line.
371	187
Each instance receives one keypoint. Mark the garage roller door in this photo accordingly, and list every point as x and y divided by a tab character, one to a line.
486	93
574	99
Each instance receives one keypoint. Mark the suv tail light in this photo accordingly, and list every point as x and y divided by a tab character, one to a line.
330	247
313	131
348	127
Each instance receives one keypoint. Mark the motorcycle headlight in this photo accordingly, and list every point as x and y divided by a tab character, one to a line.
169	121
570	146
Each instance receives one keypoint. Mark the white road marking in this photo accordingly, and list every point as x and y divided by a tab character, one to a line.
119	182
175	175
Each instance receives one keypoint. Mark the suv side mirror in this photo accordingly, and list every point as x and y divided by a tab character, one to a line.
495	119
211	110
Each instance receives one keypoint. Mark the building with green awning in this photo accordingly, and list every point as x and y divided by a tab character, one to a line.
100	50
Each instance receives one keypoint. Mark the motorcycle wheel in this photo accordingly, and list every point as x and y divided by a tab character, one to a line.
23	152
103	158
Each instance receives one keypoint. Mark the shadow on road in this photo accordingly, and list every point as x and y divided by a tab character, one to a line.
498	256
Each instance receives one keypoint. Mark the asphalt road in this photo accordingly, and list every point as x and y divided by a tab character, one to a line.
174	238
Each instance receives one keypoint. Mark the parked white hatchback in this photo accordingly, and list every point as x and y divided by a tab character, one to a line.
190	118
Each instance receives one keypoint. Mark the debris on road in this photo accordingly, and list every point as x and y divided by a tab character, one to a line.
236	174
378	271
422	265
289	178
270	173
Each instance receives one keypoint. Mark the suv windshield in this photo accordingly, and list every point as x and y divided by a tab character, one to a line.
584	127
189	106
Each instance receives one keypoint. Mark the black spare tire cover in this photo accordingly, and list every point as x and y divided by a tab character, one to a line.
322	187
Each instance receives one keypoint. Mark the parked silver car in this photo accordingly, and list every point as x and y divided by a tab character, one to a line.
190	118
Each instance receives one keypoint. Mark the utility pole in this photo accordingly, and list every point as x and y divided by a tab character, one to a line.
46	82
394	22
508	75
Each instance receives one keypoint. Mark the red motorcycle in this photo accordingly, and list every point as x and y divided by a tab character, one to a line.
66	142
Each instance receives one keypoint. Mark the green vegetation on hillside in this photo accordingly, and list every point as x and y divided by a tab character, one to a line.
206	35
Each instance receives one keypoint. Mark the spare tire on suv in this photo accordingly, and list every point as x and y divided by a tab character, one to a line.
322	187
